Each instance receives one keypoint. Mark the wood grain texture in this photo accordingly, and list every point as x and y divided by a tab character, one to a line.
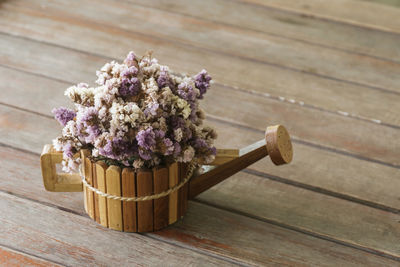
96	203
216	232
12	258
304	210
268	50
101	168
173	174
129	210
290	25
88	170
266	244
74	241
161	205
327	93
114	207
357	13
144	187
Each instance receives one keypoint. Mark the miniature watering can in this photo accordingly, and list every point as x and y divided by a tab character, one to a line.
148	200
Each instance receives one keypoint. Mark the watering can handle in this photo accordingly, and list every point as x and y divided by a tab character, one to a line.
57	182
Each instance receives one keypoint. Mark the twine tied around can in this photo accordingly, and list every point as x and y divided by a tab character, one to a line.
192	167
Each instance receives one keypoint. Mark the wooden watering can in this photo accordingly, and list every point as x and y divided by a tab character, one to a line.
149	200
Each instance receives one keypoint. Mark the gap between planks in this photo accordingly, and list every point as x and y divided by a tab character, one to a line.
194	249
241	213
37	258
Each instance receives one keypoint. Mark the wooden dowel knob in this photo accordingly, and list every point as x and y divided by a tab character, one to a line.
278	144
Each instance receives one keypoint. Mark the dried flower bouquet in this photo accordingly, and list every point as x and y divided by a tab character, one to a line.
139	115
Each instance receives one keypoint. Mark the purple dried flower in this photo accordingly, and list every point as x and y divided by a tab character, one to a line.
146	138
186	92
163	79
144	154
159	134
213	150
200	143
202	82
92	133
152	109
169	145
63	115
177	149
130	59
131	71
68	150
129	87
117	148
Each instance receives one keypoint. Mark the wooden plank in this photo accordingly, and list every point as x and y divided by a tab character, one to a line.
161	205
128	185
144	187
101	168
308	211
96	202
357	13
266	244
290	25
327	93
72	240
9	257
217	228
173	197
114	207
89	194
222	39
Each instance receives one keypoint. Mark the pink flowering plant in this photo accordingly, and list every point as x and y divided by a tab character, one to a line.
139	115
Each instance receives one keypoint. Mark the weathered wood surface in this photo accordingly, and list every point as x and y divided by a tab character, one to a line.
323	89
378	14
214	233
291	25
336	204
11	258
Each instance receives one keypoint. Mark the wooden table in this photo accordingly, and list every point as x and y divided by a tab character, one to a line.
327	70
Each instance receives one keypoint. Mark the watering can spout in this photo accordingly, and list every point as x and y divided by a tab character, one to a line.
276	144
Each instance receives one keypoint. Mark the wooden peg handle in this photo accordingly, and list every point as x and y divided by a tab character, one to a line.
53	181
276	143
